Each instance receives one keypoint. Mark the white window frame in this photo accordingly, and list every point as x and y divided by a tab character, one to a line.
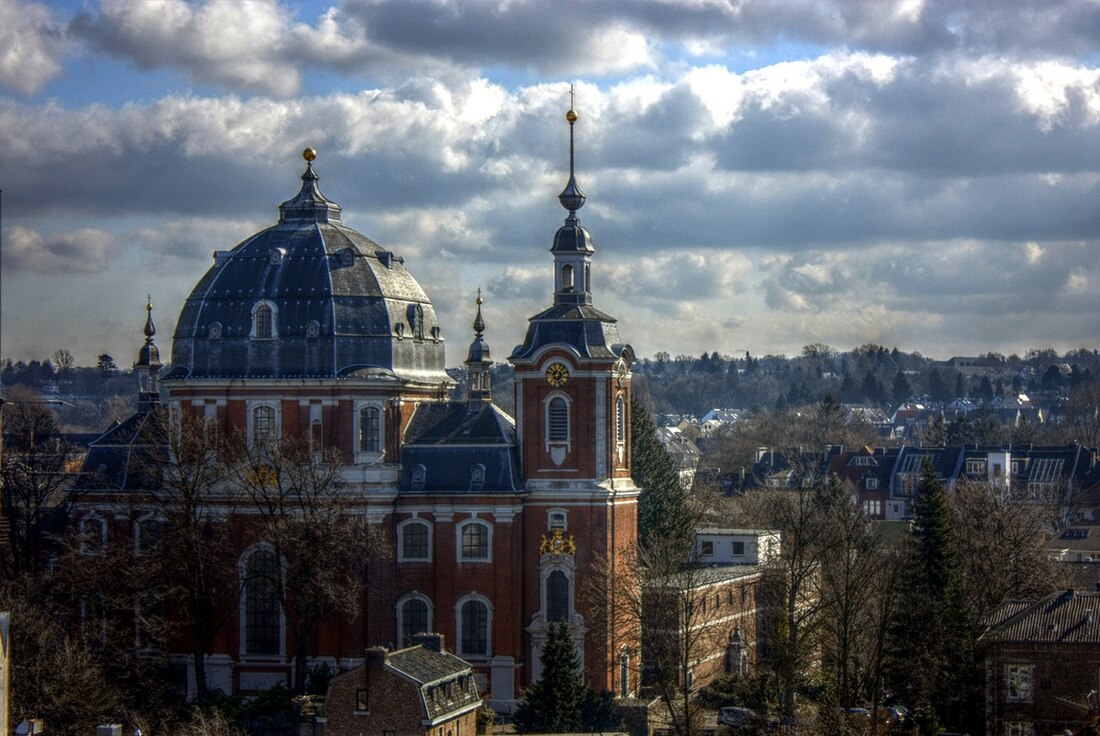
461	527
621	421
399	609
872	484
366	456
568	441
264	403
274	320
551	513
100	549
488	627
242	606
401	527
1019	674
138	521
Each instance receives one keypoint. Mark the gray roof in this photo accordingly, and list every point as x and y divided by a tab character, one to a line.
449	439
591	332
446	683
1072	616
344	305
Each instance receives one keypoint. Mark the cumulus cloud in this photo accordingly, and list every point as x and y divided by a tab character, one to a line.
32	43
82	251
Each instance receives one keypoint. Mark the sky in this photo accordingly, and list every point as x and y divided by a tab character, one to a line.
761	174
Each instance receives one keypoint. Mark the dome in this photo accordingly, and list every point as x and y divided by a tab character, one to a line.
308	298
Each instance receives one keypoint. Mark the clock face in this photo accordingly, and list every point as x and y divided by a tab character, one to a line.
557	375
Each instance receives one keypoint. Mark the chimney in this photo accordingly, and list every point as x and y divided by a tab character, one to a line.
432	641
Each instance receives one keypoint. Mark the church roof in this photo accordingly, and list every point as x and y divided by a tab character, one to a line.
448	440
340	303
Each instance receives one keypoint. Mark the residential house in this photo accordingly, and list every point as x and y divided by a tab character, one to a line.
1042	660
420	689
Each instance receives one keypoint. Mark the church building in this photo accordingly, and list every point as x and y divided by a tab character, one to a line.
309	329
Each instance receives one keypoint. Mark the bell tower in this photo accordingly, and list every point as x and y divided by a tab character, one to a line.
572	389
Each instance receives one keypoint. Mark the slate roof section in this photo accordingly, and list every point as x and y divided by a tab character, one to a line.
1068	617
592	333
446	683
125	457
448	439
343	304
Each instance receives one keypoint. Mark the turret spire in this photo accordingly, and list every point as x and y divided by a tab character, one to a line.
147	367
479	362
309	204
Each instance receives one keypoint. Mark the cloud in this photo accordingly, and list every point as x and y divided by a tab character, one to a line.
32	43
83	251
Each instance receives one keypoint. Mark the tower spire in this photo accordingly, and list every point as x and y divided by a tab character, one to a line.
478	363
571	198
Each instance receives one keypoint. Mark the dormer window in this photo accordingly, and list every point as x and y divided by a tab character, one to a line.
263	321
417	477
477	477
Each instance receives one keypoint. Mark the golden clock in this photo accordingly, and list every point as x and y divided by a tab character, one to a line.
557	375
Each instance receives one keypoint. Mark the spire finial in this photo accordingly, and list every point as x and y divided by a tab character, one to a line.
571	198
479	323
309	154
150	329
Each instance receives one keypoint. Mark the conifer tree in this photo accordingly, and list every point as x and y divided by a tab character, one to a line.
662	506
555	703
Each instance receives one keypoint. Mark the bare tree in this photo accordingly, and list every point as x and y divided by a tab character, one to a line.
37	478
792	585
324	549
661	590
185	464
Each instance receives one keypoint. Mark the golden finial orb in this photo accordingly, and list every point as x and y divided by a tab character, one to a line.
571	116
479	296
309	154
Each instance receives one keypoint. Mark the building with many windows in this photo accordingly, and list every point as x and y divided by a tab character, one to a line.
310	331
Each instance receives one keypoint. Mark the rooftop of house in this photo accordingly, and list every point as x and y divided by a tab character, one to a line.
1070	616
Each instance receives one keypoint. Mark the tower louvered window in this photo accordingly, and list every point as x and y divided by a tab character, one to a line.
557	412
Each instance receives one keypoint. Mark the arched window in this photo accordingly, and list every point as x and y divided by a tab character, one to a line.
567	278
557	420
557	596
262	618
263	425
263	321
415	615
370	429
473	628
415	541
557	519
474	537
588	277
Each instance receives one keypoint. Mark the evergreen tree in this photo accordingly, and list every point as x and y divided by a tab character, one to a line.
662	506
985	390
960	386
961	430
556	703
934	639
937	389
901	389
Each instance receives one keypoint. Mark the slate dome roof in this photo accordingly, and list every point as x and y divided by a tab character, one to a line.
340	305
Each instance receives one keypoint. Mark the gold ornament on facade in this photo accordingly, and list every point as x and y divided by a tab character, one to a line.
557	544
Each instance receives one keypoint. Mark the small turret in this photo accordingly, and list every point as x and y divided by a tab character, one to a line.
479	363
147	367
